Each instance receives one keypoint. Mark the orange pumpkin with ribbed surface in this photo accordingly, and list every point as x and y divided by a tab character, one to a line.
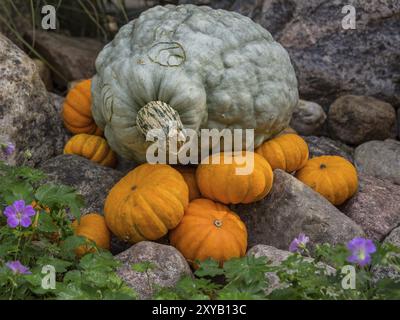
189	174
333	177
92	147
209	230
77	110
288	152
228	177
93	227
146	203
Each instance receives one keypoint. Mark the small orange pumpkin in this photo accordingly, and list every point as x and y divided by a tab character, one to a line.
234	177
93	227
189	174
92	147
77	110
209	230
333	177
146	203
288	152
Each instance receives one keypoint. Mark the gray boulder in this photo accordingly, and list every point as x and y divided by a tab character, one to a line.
72	57
321	146
331	61
167	262
290	209
91	180
357	119
380	159
382	272
398	123
275	257
375	207
28	119
307	118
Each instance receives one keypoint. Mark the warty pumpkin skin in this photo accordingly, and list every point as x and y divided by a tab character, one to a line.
93	227
216	69
77	110
209	230
288	152
92	147
146	203
220	182
333	177
189	174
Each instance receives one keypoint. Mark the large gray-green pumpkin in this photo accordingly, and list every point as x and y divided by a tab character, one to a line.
216	69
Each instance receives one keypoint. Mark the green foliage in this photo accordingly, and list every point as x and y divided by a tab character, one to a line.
299	278
49	240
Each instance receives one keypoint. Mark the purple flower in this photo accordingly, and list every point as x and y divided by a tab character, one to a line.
299	244
361	250
19	214
18	267
8	148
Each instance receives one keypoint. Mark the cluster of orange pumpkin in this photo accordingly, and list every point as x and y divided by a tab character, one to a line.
189	202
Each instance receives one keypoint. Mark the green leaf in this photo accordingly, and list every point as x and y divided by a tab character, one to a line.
99	260
18	191
59	264
45	223
73	276
59	196
69	245
209	268
143	266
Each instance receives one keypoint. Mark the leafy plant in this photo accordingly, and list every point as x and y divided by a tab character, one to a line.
36	233
299	277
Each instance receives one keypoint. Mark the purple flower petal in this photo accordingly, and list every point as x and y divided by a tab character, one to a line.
19	205
18	267
29	211
9	211
360	250
25	221
10	148
369	246
12	221
294	245
299	244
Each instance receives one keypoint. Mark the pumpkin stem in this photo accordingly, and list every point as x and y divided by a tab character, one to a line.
218	223
322	166
159	115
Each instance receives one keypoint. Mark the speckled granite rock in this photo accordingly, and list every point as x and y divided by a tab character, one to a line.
331	61
357	119
380	159
307	118
72	57
382	272
320	146
275	257
169	267
91	180
375	207
27	117
291	208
